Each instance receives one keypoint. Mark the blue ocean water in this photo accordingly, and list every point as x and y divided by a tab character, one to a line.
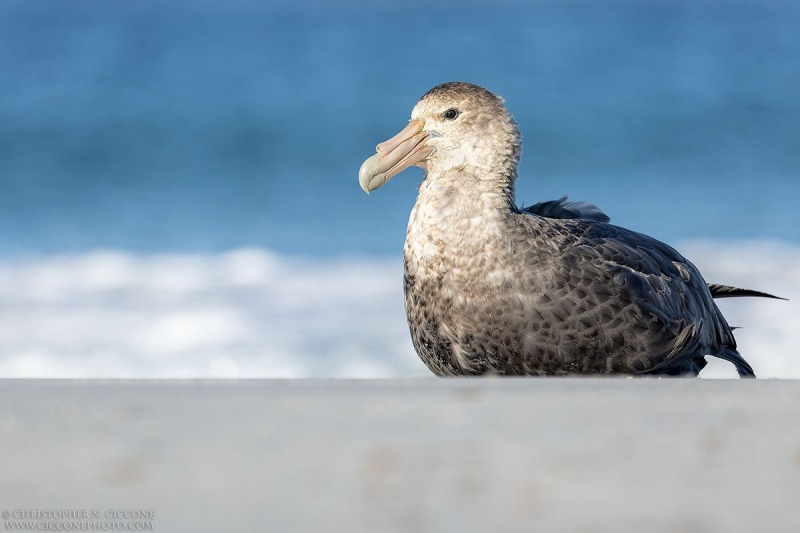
205	126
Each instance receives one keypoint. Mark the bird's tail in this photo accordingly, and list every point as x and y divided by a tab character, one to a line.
726	291
742	367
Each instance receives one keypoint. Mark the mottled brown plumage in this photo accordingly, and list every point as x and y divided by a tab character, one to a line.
550	290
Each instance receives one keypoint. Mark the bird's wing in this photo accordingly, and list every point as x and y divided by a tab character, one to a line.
564	209
655	302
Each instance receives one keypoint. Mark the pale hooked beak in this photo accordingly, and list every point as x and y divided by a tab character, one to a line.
405	149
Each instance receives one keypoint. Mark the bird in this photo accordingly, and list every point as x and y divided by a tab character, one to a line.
554	289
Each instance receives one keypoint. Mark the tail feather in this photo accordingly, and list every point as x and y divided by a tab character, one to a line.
726	291
742	367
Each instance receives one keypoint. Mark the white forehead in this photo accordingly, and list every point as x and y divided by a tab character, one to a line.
429	106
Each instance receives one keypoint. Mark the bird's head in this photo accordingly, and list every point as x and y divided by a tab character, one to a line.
454	126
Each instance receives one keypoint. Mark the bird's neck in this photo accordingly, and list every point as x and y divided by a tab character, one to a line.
457	213
469	190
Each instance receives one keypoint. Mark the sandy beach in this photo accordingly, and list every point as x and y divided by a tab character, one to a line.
402	455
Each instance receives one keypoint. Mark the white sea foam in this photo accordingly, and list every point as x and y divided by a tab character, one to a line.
251	313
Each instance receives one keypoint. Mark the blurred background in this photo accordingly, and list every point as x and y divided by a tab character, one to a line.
178	181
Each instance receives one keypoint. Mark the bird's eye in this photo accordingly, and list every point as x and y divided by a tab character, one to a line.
451	114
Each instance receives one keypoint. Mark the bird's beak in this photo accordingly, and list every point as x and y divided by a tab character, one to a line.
405	149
